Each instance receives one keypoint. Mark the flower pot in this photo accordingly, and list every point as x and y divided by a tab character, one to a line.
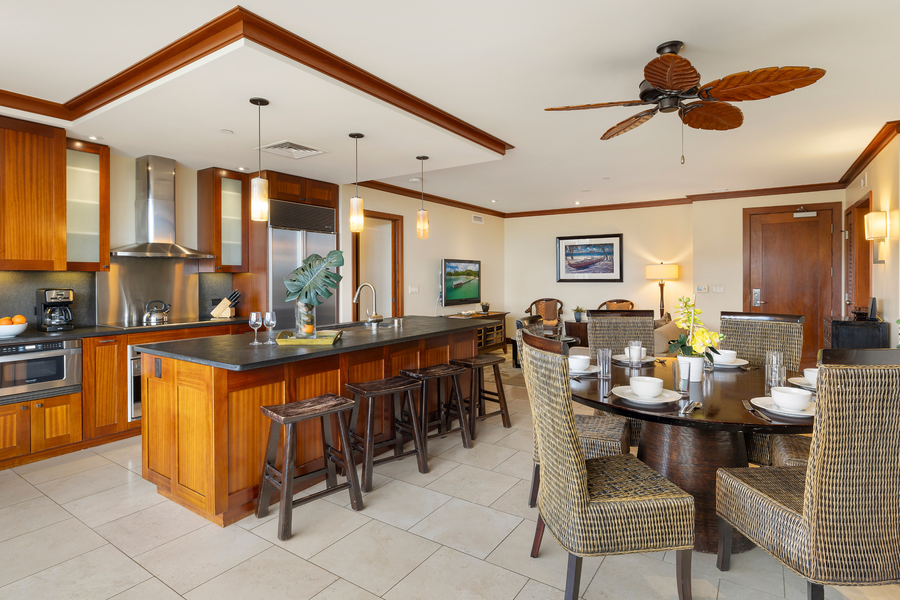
578	317
306	320
696	366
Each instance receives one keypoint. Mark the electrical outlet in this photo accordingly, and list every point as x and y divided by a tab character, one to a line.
413	289
702	289
718	289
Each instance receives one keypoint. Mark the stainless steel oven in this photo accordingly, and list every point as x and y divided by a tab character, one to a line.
134	384
34	366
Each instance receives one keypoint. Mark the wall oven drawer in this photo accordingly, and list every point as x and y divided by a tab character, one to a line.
31	367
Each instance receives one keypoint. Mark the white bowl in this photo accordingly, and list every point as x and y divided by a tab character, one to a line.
724	356
646	387
579	363
8	331
791	398
643	353
810	375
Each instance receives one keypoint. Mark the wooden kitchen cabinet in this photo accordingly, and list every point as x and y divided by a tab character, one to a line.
87	206
105	386
55	421
291	188
223	218
32	196
15	430
321	193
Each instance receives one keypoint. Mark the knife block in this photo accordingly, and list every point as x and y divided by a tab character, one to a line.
222	310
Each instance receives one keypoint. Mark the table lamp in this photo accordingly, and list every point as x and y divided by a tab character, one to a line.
662	272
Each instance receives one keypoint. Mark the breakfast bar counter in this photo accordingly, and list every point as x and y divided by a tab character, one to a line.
203	433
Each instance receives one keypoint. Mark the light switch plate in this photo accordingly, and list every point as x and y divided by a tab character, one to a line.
702	289
718	289
413	289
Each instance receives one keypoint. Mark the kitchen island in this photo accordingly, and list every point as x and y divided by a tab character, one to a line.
203	433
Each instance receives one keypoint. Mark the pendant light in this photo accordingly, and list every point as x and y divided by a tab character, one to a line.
422	214
259	187
357	216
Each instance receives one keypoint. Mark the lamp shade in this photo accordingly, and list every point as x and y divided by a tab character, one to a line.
422	224
259	199
357	216
662	271
876	226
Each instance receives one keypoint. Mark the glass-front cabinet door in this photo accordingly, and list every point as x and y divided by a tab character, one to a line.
87	206
232	224
223	218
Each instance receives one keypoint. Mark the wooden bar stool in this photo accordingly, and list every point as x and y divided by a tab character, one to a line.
288	415
365	444
478	394
447	407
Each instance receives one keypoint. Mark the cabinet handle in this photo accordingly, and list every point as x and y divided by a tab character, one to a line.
105	266
107	341
24	408
38	405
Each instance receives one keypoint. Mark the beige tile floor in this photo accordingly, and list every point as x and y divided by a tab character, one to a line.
86	526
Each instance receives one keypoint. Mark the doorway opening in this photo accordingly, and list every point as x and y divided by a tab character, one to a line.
858	274
378	259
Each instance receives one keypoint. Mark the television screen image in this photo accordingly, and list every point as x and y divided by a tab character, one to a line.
462	281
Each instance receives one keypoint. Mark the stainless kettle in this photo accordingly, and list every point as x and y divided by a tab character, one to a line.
154	315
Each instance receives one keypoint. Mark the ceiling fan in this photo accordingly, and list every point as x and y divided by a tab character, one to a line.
670	80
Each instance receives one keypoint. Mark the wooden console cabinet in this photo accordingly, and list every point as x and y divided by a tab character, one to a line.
490	337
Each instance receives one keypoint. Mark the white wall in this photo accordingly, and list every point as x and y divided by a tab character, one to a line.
452	234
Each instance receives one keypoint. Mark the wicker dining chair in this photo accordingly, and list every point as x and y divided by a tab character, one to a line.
550	310
751	335
598	506
613	329
837	520
617	304
601	434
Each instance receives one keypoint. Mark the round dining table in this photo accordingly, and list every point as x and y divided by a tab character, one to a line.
689	449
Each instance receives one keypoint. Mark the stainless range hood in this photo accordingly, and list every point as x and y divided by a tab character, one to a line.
154	213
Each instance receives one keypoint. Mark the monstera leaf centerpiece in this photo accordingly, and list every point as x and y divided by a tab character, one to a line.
311	284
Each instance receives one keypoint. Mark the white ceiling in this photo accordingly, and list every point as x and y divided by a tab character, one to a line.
494	64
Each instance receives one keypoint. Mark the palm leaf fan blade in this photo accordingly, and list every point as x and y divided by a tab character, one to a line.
717	116
760	84
671	73
600	105
629	124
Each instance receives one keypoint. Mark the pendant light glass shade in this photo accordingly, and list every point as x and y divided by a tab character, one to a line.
422	224
259	199
357	216
259	187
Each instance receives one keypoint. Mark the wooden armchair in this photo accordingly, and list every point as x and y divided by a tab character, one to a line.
550	309
618	304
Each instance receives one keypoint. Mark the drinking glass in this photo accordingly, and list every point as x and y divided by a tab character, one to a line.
681	373
604	363
269	322
775	377
255	323
774	357
634	353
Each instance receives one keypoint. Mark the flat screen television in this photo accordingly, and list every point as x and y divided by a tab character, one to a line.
461	280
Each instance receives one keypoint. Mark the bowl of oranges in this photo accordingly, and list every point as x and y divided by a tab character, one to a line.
12	326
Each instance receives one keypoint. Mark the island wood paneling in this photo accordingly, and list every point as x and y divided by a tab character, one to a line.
246	443
158	422
359	367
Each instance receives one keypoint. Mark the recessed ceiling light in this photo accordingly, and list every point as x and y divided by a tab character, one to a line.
415	179
493	200
226	131
585	190
577	202
94	138
242	168
719	190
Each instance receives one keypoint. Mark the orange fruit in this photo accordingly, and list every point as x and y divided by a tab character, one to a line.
6	321
19	320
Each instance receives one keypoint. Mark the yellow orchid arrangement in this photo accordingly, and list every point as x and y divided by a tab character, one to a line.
699	341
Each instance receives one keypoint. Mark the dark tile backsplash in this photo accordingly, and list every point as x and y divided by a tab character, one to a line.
18	294
213	286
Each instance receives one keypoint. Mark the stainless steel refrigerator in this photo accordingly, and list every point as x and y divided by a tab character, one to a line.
291	239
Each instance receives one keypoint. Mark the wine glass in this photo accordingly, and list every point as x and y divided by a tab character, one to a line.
269	322
255	323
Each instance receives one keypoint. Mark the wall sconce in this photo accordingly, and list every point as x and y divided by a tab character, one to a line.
662	272
877	232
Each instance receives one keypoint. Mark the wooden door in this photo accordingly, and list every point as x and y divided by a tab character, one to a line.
790	257
55	421
15	425
858	253
105	386
32	196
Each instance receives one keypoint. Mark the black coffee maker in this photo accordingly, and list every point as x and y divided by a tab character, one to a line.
54	310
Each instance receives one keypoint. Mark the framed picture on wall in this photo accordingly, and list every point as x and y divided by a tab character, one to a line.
589	258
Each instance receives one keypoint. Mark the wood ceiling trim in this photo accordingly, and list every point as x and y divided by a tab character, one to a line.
884	136
239	23
774	191
402	191
601	208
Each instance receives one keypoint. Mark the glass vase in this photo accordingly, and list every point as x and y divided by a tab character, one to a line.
306	320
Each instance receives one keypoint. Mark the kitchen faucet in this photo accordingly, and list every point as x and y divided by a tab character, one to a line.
373	318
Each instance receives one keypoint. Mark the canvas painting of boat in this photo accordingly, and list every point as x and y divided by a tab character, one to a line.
589	258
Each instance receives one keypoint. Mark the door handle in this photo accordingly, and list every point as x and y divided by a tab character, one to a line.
107	341
757	294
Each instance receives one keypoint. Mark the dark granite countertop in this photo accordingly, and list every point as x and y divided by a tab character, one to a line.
31	334
235	353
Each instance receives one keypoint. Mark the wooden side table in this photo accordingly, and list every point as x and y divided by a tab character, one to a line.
490	337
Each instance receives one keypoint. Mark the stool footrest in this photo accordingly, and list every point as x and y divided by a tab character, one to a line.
385	459
321	494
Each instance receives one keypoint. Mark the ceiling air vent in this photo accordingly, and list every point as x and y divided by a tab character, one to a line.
291	150
478	219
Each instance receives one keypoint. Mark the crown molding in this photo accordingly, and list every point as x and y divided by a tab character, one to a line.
402	191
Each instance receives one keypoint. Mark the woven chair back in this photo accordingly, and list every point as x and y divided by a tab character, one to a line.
613	330
752	335
618	304
548	309
851	502
564	491
534	325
